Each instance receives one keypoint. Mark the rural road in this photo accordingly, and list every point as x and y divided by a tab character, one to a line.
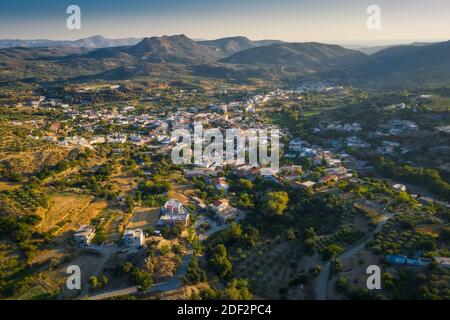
172	284
322	279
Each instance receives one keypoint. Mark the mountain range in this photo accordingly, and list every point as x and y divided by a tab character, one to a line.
237	57
90	43
165	49
179	48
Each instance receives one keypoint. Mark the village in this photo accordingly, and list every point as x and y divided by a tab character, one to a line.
157	216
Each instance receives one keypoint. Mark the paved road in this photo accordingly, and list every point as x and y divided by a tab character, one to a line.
322	279
169	285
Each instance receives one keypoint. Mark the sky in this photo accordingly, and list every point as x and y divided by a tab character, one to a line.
330	21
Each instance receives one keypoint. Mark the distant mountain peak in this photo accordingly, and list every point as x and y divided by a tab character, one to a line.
175	48
93	42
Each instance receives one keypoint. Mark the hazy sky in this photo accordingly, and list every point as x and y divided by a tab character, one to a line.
337	21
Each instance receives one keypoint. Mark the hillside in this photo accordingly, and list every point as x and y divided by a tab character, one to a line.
406	65
413	64
310	57
178	48
231	45
402	57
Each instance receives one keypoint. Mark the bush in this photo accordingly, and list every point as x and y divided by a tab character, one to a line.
236	290
194	273
142	279
276	202
331	251
342	285
94	283
220	262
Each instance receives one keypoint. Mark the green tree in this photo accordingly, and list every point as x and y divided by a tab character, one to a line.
342	285
220	262
246	184
331	251
237	289
276	202
94	283
142	279
126	267
194	273
208	294
336	266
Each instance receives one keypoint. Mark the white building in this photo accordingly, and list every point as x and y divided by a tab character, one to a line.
443	262
172	206
296	145
97	140
134	238
117	138
388	147
174	220
173	214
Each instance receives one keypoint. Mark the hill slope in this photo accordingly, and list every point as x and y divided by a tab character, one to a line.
309	56
178	48
406	65
231	45
413	64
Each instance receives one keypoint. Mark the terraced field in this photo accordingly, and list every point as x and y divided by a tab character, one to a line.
68	211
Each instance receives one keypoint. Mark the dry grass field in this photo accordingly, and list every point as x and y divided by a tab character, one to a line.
68	211
181	193
144	217
123	181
